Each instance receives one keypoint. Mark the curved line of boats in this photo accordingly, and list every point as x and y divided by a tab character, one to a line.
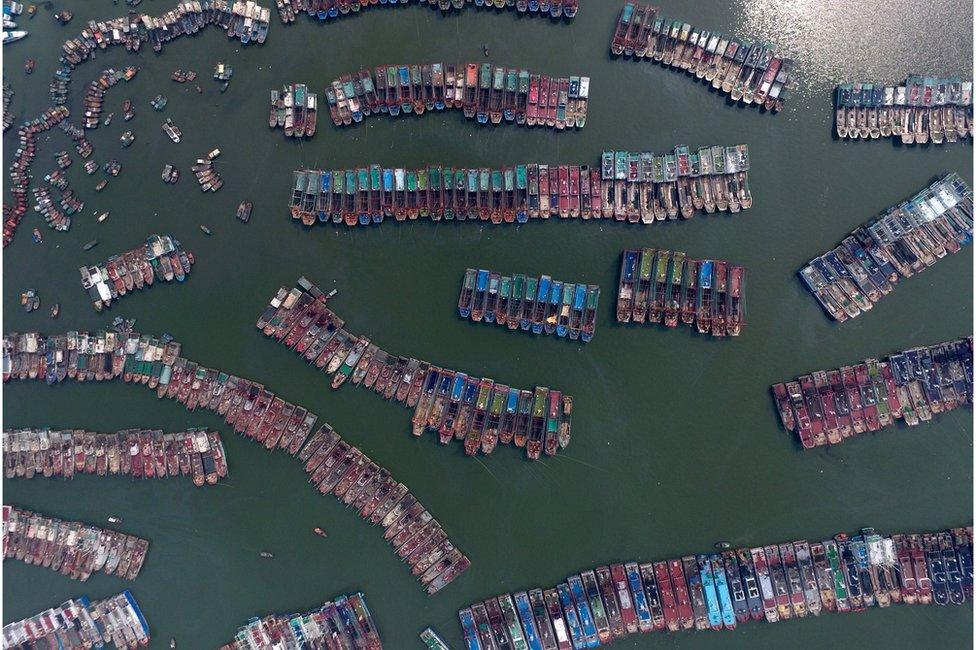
330	9
749	71
922	108
480	412
637	187
829	406
334	466
95	94
905	240
80	623
161	258
721	590
20	167
57	212
8	117
139	453
484	92
663	286
72	548
344	622
530	303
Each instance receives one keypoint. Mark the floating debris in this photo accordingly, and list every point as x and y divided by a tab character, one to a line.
922	108
907	239
534	304
456	406
483	91
663	286
139	453
334	466
82	624
71	548
345	618
161	258
752	72
827	407
639	187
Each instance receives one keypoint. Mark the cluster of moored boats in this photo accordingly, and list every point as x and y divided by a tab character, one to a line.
139	453
8	117
485	92
206	173
57	211
638	187
294	109
79	623
923	108
329	9
95	93
161	258
71	548
456	406
663	286
905	240
335	466
14	211
344	622
753	72
532	304
721	590
829	406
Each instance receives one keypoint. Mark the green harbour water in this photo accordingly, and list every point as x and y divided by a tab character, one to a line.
676	441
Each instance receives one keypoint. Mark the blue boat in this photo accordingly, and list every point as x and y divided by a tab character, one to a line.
576	315
711	596
404	81
480	295
545	283
645	621
470	630
333	12
552	309
388	188
326	187
586	618
562	321
569	611
135	608
722	587
528	623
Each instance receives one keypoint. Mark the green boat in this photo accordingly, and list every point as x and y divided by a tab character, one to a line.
512	621
504	295
422	198
840	586
449	185
515	305
528	304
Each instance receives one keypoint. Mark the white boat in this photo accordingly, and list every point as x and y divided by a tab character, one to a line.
10	37
9	24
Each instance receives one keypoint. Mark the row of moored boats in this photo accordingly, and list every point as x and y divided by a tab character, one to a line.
344	622
829	406
905	240
139	453
923	108
71	548
485	92
79	623
330	9
57	210
334	466
667	286
294	109
722	590
161	258
94	99
8	116
536	304
637	187
19	168
753	72
455	405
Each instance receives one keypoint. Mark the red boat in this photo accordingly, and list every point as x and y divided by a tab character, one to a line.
686	615
532	110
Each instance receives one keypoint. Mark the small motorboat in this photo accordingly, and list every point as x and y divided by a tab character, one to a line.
206	231
321	533
114	519
266	554
55	310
